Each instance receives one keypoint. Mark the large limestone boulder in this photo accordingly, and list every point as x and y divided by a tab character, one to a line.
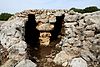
26	63
45	27
78	62
61	58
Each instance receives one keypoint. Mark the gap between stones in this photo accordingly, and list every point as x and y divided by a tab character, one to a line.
41	54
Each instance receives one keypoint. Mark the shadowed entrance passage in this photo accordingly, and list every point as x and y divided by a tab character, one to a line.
57	27
32	36
31	33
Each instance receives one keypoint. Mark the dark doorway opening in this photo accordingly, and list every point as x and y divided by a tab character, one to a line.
57	27
31	33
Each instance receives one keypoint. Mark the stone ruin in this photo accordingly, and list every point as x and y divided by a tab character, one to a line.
79	34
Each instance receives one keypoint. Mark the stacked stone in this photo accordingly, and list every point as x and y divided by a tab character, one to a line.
46	22
42	15
80	45
12	34
81	41
12	39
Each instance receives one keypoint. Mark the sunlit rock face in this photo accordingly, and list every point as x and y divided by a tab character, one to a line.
45	33
45	38
45	27
12	39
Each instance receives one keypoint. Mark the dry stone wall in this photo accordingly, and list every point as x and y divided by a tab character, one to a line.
81	40
80	44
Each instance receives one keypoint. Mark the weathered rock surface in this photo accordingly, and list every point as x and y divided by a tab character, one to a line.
78	62
26	63
81	38
44	38
61	57
12	39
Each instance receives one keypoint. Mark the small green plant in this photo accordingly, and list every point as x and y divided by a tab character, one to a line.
5	16
86	10
90	9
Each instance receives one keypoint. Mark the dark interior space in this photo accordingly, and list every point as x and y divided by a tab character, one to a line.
32	39
31	33
57	27
97	31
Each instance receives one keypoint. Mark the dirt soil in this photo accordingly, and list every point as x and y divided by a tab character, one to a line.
44	56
